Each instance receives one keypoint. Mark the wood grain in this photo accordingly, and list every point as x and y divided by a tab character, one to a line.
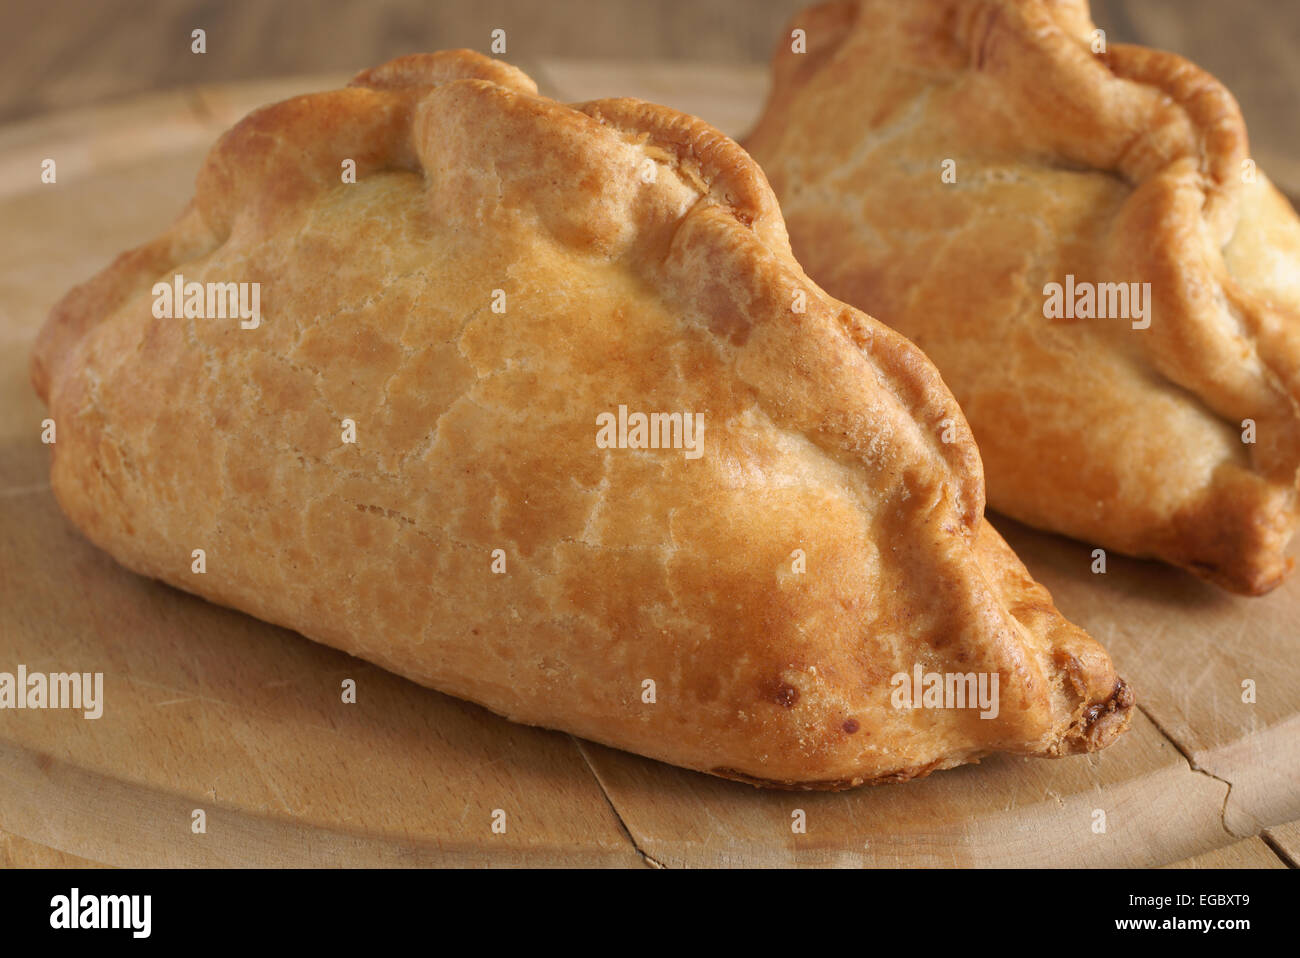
18	852
1248	853
1188	647
1005	812
64	54
1285	840
211	709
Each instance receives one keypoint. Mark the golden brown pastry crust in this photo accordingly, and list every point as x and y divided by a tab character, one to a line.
1122	166
645	263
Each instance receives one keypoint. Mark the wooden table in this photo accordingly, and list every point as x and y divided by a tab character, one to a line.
209	709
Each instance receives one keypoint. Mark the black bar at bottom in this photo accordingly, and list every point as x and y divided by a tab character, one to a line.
660	909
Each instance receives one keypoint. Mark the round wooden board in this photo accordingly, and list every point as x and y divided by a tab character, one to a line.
210	710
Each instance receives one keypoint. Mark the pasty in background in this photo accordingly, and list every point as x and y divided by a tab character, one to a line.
1080	243
508	284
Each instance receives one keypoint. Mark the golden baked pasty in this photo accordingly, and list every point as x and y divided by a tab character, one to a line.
504	312
1080	243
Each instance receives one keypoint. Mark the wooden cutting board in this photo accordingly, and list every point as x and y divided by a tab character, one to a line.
207	709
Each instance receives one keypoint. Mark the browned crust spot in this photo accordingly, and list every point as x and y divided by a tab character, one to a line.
1100	724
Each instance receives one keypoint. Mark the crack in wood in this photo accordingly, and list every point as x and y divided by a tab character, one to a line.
1192	764
645	856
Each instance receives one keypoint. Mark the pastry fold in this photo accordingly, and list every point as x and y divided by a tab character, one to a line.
505	275
951	166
